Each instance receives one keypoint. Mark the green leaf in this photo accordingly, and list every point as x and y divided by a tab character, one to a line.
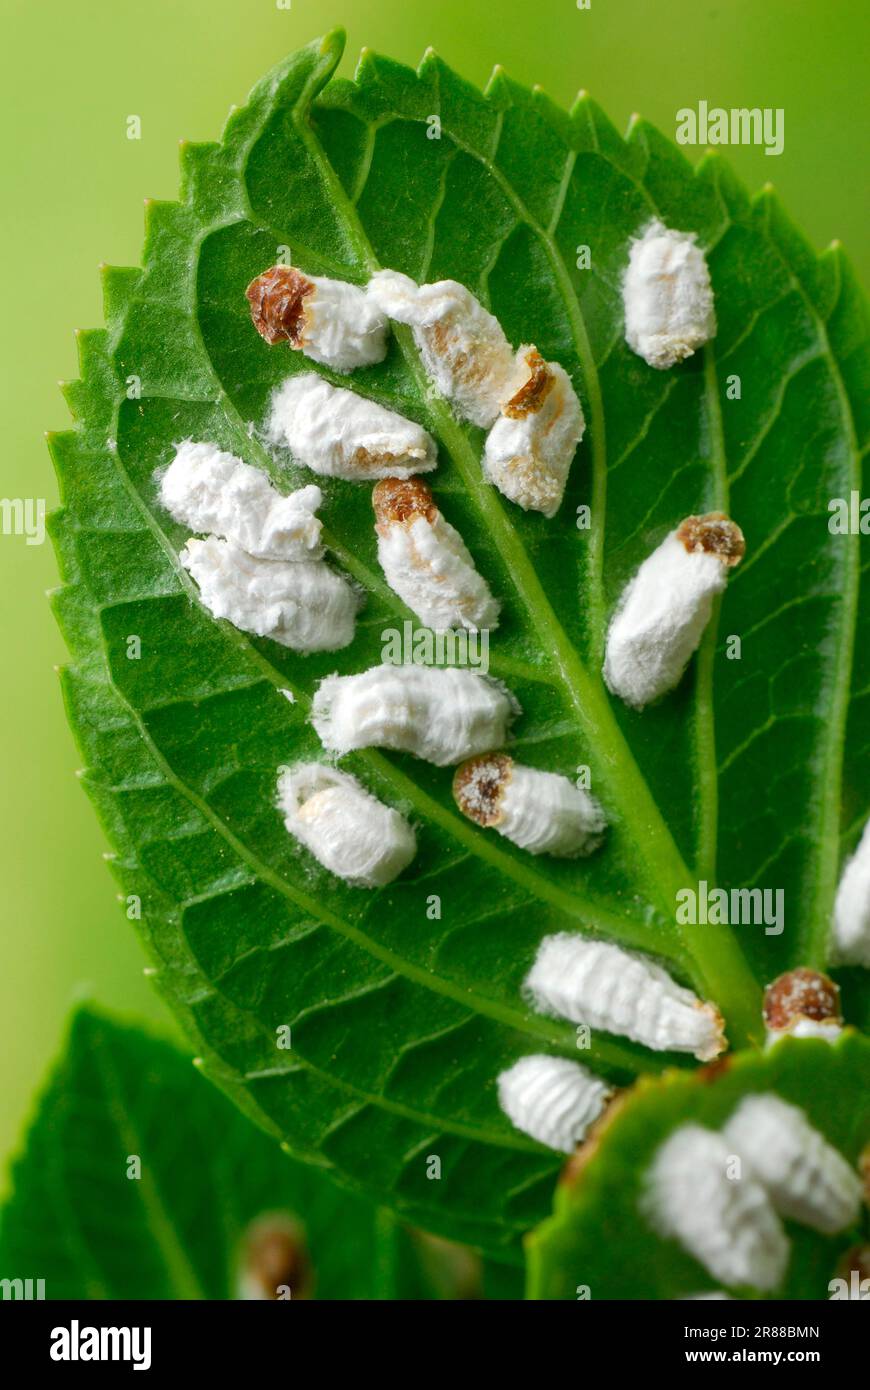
401	1023
78	1221
598	1236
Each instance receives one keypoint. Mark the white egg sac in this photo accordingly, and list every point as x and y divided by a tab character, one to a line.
542	812
440	714
667	297
806	1179
351	833
727	1223
463	347
331	321
802	1003
530	447
662	614
209	490
851	942
303	605
552	1099
618	991
425	561
339	434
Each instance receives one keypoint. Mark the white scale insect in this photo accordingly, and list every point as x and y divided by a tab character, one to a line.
667	297
440	714
351	833
303	605
851	935
531	406
727	1224
541	812
807	1180
425	560
267	576
340	434
660	619
552	1099
530	447
463	346
604	986
331	321
210	490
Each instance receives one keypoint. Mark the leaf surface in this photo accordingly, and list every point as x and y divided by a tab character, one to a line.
78	1220
401	1022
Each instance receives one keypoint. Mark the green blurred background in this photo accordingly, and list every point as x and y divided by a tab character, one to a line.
73	186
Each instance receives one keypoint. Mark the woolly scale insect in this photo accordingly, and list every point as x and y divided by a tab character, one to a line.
541	812
425	560
267	575
661	616
667	297
807	1180
463	347
331	321
729	1226
348	830
303	605
600	984
209	490
440	714
552	1099
529	450
851	935
340	434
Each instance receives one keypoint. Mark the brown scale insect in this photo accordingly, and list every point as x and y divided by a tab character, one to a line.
714	534
277	300
275	1262
804	1003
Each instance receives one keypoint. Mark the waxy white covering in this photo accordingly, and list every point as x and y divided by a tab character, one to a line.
541	812
210	490
342	327
726	1222
426	562
303	604
667	296
552	1099
440	714
600	984
463	346
528	456
851	943
348	830
806	1179
340	434
660	620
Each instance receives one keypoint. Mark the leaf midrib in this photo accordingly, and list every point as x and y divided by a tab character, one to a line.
718	959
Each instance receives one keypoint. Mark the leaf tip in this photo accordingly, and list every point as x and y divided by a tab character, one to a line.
333	43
